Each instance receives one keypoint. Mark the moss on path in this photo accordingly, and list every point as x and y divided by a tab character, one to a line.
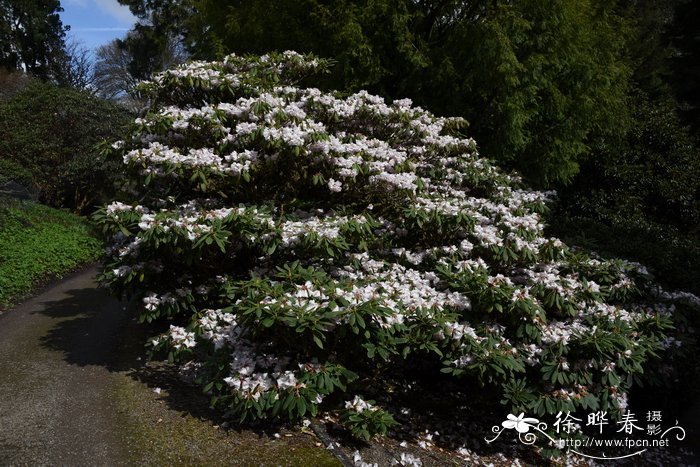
76	392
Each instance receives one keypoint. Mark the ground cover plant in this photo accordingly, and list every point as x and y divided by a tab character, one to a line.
38	242
299	245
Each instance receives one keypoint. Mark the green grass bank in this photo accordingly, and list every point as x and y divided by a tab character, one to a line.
38	243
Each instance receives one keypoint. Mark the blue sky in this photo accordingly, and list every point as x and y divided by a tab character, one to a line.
95	22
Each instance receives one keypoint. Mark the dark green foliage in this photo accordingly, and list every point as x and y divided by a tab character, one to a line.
538	82
639	196
12	171
659	172
32	38
649	46
152	42
53	132
38	242
642	199
364	424
685	36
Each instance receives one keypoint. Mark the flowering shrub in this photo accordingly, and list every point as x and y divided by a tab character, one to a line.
298	241
50	133
365	419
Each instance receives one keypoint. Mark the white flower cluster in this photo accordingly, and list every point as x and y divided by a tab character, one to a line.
396	287
157	153
329	228
251	373
359	405
179	337
562	332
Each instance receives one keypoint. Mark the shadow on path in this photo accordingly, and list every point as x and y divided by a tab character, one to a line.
90	330
56	355
95	329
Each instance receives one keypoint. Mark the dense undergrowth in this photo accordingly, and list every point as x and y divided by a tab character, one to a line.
48	140
38	242
672	256
645	190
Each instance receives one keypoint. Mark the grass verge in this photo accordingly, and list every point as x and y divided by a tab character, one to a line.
38	243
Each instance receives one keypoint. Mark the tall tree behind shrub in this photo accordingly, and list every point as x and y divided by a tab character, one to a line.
154	44
32	38
53	133
539	83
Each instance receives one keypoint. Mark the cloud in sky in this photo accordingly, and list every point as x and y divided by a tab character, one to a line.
99	29
96	22
111	7
119	12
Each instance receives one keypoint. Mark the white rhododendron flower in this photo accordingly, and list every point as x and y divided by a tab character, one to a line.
359	405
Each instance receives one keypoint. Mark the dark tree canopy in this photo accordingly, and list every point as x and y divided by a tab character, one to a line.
686	61
650	48
32	38
154	43
644	187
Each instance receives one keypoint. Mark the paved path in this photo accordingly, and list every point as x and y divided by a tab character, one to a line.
56	352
